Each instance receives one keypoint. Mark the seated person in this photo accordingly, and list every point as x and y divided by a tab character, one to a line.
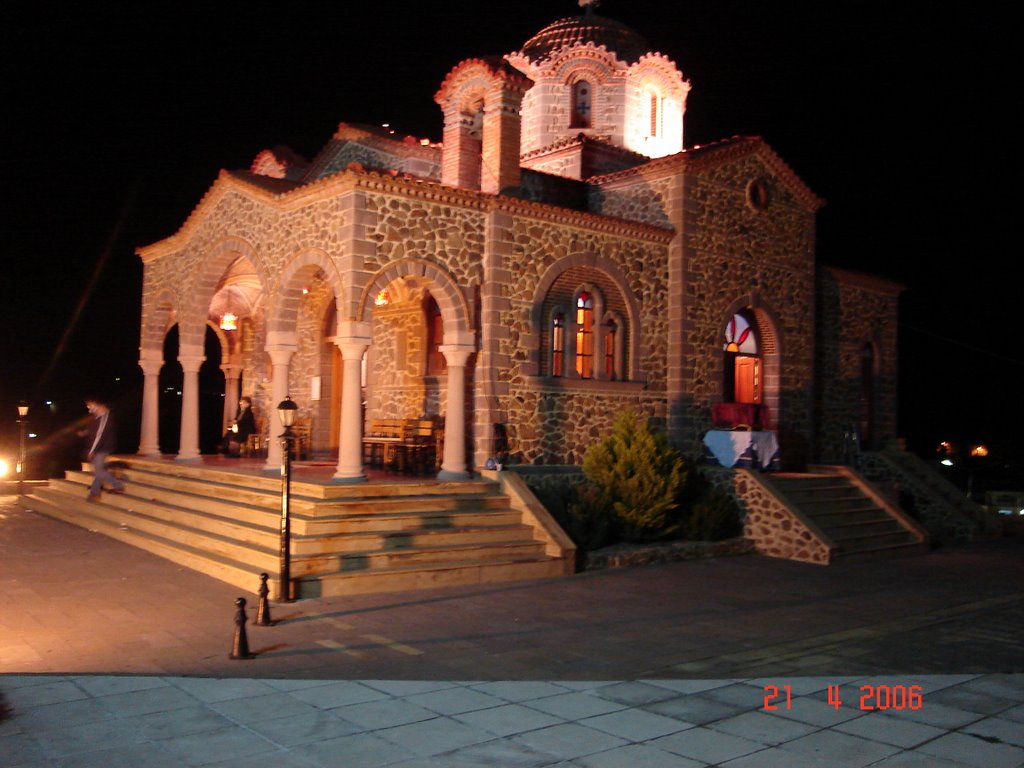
238	433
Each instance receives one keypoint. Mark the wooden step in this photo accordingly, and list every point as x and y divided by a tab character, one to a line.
240	574
363	538
411	578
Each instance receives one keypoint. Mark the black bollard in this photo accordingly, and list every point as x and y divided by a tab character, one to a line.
240	646
263	611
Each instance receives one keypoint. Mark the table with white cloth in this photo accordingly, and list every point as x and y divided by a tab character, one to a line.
743	448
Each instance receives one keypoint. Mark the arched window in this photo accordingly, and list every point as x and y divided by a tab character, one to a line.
654	112
582	101
585	335
742	369
611	371
558	344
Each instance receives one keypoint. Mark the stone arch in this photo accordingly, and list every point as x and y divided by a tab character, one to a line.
589	260
159	316
449	297
207	277
284	307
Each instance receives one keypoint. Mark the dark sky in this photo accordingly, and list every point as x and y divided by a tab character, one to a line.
117	120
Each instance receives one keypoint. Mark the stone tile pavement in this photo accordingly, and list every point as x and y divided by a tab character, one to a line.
112	657
94	721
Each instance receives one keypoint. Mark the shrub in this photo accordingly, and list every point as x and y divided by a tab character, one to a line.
581	512
638	474
712	517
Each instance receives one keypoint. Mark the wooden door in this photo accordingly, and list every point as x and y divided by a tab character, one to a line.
748	379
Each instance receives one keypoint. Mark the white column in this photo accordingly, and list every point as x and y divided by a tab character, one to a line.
280	356
188	450
350	448
232	373
453	466
149	439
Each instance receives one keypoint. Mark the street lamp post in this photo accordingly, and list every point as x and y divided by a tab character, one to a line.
286	410
22	421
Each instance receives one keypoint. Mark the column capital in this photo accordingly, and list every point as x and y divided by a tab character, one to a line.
352	347
151	367
231	368
191	363
456	354
280	355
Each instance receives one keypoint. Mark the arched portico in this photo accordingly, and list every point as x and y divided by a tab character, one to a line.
282	332
458	344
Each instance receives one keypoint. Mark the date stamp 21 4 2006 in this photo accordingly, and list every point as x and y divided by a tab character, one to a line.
870	698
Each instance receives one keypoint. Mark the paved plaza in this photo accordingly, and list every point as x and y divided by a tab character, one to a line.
113	657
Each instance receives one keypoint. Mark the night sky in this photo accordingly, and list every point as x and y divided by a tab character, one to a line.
116	121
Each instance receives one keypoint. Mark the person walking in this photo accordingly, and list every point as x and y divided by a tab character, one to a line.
101	441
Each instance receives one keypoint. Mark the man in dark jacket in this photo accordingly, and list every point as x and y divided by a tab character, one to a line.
101	441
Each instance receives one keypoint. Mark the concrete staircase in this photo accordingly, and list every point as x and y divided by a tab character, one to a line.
853	520
943	508
346	539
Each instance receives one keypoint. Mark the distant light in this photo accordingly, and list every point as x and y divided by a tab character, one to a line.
32	434
947	462
425	142
979	450
49	402
305	290
229	322
383	298
5	468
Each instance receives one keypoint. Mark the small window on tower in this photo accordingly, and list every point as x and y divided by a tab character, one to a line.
581	104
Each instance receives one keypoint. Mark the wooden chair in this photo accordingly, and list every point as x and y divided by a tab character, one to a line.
382	435
255	446
417	452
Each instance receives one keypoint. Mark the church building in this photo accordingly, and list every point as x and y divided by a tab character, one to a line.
560	256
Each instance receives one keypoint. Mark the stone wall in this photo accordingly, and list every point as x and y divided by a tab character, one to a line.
738	257
854	313
774	530
553	420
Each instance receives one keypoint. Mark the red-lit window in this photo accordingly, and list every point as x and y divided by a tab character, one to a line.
558	345
585	335
610	339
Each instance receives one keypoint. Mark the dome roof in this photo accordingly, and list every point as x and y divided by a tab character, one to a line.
621	40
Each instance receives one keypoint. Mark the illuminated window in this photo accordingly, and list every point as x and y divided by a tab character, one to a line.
654	112
581	104
610	340
742	365
585	335
739	337
383	298
558	344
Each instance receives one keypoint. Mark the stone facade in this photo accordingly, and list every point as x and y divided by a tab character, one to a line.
580	262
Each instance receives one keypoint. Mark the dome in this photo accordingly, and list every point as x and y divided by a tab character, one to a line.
621	40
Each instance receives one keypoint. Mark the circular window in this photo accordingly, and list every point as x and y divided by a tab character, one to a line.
757	194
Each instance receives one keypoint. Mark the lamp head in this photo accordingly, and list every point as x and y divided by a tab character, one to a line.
23	409
286	410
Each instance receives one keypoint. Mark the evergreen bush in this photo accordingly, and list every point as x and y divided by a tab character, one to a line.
638	474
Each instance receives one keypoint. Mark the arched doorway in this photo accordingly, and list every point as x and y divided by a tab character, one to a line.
742	378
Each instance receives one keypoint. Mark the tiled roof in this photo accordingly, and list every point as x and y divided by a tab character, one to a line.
623	41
